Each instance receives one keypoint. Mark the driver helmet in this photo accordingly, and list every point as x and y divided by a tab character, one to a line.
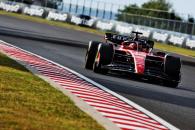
133	46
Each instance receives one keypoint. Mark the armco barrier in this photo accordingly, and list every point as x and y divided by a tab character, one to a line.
57	16
146	32
78	21
104	25
180	39
123	28
176	40
160	37
9	7
33	11
190	43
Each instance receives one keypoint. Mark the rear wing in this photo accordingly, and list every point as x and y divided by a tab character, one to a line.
115	38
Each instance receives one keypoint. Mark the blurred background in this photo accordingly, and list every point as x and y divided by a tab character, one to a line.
151	13
158	14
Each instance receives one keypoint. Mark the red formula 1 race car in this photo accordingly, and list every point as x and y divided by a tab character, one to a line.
134	55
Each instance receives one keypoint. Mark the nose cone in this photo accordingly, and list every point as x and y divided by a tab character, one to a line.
139	58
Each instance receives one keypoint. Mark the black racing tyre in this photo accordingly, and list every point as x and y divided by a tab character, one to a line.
91	54
104	56
172	84
172	67
97	68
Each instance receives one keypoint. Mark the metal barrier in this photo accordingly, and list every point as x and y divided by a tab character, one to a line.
160	23
97	9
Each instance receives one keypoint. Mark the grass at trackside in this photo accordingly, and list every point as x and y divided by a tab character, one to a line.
174	49
27	102
160	46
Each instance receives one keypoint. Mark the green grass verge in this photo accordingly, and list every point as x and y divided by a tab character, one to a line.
27	102
165	47
174	49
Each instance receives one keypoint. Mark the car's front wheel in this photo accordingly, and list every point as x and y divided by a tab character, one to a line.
91	54
104	57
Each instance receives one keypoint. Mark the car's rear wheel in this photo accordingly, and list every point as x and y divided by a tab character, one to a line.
172	68
91	54
104	56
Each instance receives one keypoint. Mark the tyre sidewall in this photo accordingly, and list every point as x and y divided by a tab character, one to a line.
91	54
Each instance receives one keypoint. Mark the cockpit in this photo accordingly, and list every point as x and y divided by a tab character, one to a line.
136	45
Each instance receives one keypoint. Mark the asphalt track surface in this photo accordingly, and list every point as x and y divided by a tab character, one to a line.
176	106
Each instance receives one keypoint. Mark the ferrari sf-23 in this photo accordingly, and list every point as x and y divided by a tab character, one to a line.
134	55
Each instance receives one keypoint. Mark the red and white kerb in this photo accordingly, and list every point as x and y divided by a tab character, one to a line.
125	116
